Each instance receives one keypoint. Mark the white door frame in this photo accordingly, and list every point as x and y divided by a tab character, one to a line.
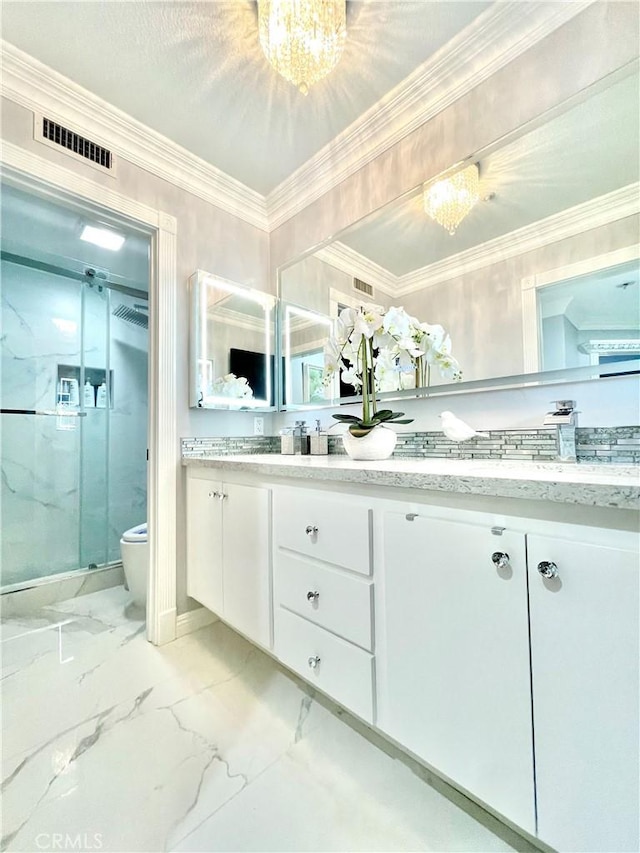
532	284
31	169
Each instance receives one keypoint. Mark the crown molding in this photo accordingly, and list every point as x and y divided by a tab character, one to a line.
347	260
568	223
495	38
39	88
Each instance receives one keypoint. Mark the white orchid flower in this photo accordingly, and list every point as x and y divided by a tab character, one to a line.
409	345
370	318
350	377
348	317
435	333
397	322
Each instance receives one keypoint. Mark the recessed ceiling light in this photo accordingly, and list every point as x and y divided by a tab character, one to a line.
102	237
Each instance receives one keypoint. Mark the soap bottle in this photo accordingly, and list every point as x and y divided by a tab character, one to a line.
102	396
287	442
74	393
89	396
319	441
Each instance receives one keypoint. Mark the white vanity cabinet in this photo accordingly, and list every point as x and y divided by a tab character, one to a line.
228	552
323	594
432	620
456	654
585	671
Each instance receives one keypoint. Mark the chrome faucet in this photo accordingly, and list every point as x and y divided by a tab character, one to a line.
565	420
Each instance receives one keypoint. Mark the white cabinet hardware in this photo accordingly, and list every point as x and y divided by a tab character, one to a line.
500	559
548	569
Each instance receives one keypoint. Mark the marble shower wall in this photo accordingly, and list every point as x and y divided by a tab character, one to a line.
69	486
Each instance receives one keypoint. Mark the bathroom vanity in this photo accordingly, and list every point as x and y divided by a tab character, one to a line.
483	616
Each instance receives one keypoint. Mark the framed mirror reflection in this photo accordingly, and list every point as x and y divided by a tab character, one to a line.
232	361
537	278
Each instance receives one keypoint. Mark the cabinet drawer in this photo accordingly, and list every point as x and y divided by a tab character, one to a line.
342	604
339	530
344	671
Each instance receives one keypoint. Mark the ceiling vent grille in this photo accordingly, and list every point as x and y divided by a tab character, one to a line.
72	142
362	287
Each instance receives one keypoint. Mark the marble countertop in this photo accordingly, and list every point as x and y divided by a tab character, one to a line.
587	485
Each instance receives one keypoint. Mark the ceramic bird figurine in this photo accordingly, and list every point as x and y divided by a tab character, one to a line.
455	429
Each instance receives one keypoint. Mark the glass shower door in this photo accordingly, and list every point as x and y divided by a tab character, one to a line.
44	444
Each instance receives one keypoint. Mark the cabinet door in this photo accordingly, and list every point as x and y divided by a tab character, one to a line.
247	560
457	689
584	654
204	543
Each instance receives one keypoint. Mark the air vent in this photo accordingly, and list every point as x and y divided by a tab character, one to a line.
362	287
54	134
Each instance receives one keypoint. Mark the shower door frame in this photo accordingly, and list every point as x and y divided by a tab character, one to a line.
32	172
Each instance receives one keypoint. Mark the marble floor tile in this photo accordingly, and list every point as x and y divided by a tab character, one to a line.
204	744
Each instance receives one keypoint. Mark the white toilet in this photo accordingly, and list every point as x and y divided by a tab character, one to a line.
134	551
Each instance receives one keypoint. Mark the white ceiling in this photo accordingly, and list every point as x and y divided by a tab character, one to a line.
580	155
194	71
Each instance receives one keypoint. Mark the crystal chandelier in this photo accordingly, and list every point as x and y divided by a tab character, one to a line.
448	201
302	39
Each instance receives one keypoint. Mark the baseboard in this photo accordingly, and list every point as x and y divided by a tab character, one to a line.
193	620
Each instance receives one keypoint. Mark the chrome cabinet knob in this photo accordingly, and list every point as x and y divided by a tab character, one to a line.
313	596
311	530
314	662
500	559
222	496
548	569
214	494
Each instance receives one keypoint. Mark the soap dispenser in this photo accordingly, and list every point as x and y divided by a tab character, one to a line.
102	396
89	395
319	441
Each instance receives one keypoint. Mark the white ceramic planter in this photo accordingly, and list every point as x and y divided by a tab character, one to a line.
378	444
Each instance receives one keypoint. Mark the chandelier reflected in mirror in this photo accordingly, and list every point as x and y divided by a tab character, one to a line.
448	201
302	39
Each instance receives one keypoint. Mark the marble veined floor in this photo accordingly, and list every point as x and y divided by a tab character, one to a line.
206	744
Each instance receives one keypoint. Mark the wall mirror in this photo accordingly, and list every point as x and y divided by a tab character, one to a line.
539	282
232	345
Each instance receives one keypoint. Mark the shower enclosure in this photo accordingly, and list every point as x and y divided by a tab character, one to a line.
73	396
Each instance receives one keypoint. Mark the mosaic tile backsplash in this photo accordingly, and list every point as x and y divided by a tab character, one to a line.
595	445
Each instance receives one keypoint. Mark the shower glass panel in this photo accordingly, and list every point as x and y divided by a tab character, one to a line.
73	392
42	461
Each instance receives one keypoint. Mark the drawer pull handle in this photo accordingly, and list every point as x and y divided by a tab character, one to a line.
548	569
500	559
314	662
313	596
311	530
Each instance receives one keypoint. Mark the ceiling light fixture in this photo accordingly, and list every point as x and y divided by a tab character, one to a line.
102	237
302	39
448	201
